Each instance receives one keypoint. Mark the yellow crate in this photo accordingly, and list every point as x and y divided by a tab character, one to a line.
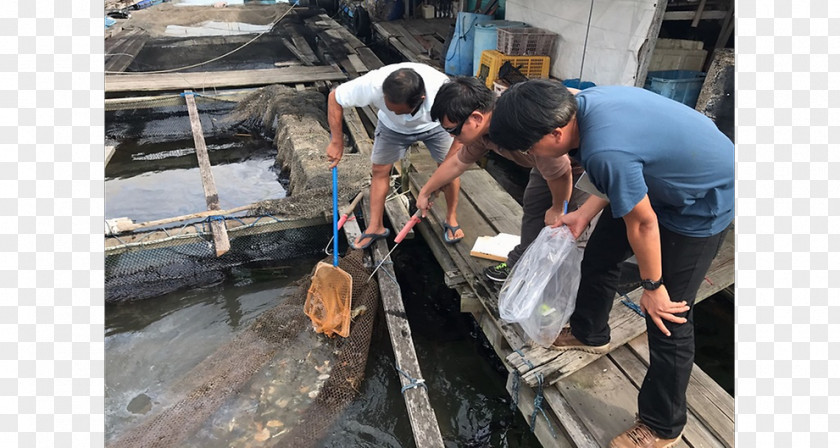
532	67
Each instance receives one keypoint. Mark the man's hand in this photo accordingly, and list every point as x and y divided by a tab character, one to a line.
423	203
335	150
553	215
576	221
658	305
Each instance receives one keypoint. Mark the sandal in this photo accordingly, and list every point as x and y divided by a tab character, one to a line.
446	229
373	237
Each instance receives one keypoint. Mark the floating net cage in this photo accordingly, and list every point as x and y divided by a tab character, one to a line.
231	398
240	395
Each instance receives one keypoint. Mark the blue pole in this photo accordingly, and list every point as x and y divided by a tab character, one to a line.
335	214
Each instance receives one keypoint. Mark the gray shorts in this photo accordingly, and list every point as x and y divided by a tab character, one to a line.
390	146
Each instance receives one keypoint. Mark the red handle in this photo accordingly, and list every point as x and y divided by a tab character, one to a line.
342	220
411	222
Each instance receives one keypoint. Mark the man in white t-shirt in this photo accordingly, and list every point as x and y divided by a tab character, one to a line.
404	94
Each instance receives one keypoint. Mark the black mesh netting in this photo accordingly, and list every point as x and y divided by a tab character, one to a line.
276	384
152	269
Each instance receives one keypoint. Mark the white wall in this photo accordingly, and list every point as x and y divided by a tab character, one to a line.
618	30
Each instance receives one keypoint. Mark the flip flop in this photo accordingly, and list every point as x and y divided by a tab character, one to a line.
446	229
373	237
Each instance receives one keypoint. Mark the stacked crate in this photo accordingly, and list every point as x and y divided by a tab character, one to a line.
527	50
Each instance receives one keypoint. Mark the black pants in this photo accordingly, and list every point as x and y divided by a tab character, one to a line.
685	261
535	201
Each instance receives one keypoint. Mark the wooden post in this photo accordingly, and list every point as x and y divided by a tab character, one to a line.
220	237
424	423
646	52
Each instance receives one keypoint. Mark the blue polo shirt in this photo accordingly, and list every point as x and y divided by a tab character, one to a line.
635	142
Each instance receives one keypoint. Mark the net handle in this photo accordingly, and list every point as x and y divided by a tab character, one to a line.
335	214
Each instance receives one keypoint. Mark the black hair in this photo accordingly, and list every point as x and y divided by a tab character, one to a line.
457	99
404	86
528	111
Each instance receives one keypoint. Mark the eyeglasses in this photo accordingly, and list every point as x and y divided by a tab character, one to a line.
417	108
455	130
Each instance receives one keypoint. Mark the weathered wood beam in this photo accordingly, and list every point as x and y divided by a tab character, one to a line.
211	196
147	82
424	423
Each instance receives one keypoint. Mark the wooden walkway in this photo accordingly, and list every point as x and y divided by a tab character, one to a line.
416	40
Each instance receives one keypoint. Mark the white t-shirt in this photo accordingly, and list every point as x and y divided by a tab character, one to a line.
366	90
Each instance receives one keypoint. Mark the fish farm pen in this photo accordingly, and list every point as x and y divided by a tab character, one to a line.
218	207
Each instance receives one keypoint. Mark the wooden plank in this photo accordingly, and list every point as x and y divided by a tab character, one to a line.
646	51
698	13
710	403
357	63
420	413
130	226
397	211
302	45
303	57
525	403
357	131
144	82
603	398
220	237
580	436
695	434
369	59
109	152
494	204
689	15
122	55
408	39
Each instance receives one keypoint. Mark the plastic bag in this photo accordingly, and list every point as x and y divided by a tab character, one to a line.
541	289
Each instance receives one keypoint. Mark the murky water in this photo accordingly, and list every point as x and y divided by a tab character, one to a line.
465	379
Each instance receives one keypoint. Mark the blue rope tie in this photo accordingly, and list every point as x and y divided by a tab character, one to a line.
538	407
632	305
522	355
215	218
413	382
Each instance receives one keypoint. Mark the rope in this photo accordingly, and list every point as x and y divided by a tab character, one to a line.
219	57
522	355
412	382
632	305
538	408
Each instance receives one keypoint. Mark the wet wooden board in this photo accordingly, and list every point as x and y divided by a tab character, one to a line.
695	433
123	50
603	398
421	415
493	203
710	403
210	80
220	237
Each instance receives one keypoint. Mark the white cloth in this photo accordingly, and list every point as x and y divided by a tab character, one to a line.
366	90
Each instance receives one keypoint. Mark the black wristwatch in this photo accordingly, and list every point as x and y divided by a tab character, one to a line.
651	285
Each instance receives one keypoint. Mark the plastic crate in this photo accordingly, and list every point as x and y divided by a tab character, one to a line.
679	85
528	41
531	66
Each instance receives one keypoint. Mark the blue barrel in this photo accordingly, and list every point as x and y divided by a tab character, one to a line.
459	55
486	38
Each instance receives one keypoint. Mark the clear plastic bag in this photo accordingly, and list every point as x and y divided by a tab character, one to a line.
540	291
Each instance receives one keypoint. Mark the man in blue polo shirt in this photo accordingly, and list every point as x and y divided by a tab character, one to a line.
668	175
